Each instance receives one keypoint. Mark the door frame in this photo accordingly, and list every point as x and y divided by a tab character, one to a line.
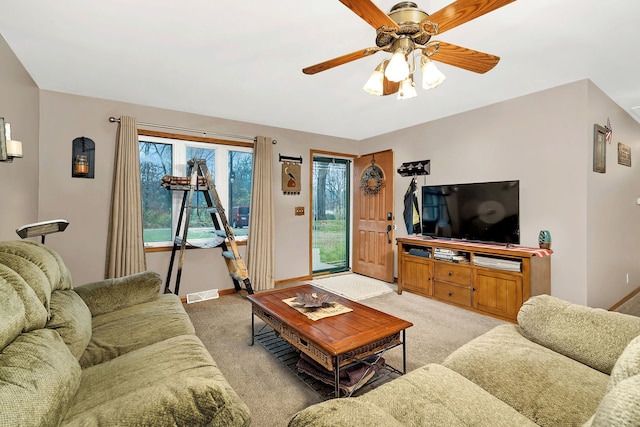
324	153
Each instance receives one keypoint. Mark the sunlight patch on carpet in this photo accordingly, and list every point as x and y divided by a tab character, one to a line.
353	286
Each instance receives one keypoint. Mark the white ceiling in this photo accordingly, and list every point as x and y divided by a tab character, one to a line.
243	60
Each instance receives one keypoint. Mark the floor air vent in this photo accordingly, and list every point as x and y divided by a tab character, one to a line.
202	296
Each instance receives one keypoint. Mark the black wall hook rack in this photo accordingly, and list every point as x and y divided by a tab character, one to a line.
290	158
422	167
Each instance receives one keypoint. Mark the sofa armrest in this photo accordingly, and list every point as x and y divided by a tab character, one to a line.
592	336
114	294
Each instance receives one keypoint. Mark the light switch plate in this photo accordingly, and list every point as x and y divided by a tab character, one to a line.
299	210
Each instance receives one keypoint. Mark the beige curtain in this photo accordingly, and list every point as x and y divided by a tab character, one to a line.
260	246
125	244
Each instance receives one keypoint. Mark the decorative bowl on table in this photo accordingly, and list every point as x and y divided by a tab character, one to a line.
313	300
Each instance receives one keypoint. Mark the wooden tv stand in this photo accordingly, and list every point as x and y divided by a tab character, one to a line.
426	268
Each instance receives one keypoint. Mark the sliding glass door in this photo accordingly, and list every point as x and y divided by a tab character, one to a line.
331	214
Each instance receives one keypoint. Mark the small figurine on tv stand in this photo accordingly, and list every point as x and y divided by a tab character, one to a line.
544	239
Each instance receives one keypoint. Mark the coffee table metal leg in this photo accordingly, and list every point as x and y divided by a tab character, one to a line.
253	322
404	351
336	370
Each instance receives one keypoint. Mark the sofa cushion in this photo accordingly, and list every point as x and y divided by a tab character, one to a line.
172	382
627	365
438	396
620	406
431	395
13	316
592	336
34	271
34	261
547	387
35	312
38	378
122	331
344	413
71	318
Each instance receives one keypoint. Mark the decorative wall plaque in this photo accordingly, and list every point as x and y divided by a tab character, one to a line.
624	155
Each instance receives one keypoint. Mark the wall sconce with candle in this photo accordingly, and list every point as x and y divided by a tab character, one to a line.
9	148
83	157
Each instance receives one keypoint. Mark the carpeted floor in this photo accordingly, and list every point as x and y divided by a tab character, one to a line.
353	286
274	394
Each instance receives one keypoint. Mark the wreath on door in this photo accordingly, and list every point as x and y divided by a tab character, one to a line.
372	179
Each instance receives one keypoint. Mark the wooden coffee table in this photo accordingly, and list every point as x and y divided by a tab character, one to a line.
334	342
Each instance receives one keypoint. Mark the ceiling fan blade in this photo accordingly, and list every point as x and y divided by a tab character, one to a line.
339	60
469	59
462	11
371	13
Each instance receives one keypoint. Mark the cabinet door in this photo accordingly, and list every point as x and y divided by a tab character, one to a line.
497	292
416	274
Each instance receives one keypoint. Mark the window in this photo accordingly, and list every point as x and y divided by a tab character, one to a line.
230	167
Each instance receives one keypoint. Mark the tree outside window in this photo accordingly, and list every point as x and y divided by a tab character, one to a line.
240	171
230	168
155	162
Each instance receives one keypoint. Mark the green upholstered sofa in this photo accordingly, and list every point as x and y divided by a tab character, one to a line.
115	352
562	365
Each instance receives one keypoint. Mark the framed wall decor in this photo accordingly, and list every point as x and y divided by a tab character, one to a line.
83	157
624	154
599	149
291	178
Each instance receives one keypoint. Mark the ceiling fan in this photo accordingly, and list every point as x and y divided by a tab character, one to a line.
406	32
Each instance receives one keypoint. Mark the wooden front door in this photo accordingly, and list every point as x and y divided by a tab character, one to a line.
373	239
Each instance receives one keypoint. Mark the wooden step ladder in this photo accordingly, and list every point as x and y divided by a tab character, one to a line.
200	181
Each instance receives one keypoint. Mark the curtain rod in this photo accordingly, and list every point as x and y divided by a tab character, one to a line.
204	132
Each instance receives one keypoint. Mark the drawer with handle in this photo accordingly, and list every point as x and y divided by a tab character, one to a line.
452	293
453	273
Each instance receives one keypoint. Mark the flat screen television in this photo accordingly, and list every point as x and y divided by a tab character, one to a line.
482	212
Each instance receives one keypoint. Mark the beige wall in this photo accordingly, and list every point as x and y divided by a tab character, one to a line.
85	202
545	141
19	180
613	214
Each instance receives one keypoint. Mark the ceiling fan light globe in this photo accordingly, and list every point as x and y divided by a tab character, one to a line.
398	68
407	89
431	75
375	84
